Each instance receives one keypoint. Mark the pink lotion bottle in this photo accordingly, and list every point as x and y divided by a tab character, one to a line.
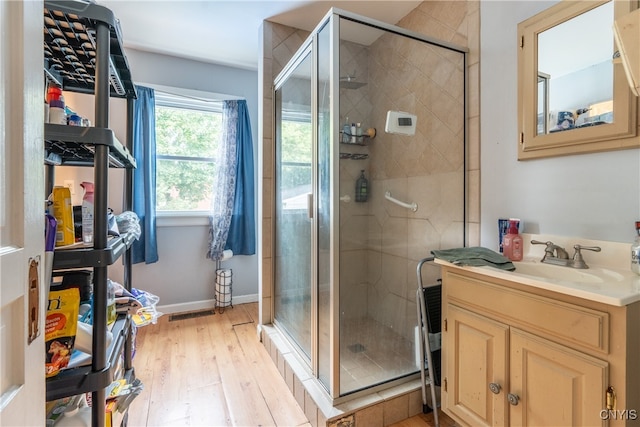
512	242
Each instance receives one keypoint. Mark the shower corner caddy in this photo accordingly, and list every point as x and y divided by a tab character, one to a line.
84	53
360	140
345	138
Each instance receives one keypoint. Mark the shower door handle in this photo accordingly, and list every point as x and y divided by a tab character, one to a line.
310	205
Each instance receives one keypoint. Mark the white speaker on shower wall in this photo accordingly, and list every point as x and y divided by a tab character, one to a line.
401	123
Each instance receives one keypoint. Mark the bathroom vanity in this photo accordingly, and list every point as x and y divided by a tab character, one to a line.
541	346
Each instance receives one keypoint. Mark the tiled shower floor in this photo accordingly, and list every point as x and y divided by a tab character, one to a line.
371	354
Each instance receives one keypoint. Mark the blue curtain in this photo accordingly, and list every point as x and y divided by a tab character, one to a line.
144	176
242	231
232	220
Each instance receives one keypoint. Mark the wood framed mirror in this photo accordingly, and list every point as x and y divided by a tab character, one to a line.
573	95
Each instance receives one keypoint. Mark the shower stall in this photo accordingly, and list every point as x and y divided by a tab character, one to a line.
361	98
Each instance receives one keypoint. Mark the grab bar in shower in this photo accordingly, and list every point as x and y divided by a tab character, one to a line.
413	206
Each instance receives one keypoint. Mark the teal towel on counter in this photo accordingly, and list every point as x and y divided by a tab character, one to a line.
476	256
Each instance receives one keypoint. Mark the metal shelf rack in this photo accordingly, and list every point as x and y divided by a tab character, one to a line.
84	53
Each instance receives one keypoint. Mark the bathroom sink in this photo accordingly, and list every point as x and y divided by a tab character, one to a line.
608	280
604	284
566	274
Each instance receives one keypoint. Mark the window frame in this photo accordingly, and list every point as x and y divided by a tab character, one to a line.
169	218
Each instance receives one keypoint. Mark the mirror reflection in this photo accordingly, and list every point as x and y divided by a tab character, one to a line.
575	72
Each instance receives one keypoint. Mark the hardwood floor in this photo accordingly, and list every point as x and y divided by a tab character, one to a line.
213	371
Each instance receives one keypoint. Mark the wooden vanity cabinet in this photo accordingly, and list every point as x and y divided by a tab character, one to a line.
515	355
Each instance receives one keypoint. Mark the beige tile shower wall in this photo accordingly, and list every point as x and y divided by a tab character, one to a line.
355	107
459	22
454	21
427	81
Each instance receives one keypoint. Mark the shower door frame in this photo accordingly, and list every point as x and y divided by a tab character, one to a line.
307	48
332	21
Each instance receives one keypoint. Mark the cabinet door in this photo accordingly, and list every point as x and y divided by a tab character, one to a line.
476	356
556	386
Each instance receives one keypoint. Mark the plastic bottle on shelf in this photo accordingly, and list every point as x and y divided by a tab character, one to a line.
111	302
512	242
63	212
353	133
77	414
635	251
57	114
75	120
54	93
87	213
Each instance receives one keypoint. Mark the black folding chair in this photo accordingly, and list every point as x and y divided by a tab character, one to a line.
428	302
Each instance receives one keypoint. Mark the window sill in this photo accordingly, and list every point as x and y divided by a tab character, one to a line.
182	219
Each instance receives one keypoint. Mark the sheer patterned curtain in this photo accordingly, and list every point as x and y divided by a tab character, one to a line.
144	176
224	182
232	218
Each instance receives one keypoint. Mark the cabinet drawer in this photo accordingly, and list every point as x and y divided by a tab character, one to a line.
564	322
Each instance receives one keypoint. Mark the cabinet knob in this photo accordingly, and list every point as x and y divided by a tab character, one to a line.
513	399
495	388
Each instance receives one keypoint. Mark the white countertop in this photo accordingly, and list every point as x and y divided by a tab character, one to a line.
606	282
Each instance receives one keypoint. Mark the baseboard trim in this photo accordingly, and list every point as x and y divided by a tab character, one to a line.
203	305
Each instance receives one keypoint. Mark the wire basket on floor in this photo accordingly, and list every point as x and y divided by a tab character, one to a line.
224	282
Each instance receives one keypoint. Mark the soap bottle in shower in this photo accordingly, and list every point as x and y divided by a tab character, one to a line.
635	251
346	131
362	188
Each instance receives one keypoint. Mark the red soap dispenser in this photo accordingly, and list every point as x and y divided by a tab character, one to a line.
512	242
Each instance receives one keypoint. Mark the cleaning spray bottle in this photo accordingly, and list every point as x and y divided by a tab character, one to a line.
87	213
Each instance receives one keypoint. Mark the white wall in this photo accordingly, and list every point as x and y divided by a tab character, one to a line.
594	196
183	276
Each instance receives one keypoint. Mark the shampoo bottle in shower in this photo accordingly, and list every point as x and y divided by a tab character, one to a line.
362	188
87	213
346	131
512	242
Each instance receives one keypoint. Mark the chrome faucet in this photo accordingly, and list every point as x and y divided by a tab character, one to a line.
553	254
557	255
578	261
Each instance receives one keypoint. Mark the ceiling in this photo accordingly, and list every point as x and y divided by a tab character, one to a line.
227	31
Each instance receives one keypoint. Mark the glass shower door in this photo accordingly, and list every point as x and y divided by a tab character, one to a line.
293	231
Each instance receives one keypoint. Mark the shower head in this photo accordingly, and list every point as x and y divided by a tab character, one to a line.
349	82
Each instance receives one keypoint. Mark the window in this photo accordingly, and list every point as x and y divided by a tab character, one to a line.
296	159
188	131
